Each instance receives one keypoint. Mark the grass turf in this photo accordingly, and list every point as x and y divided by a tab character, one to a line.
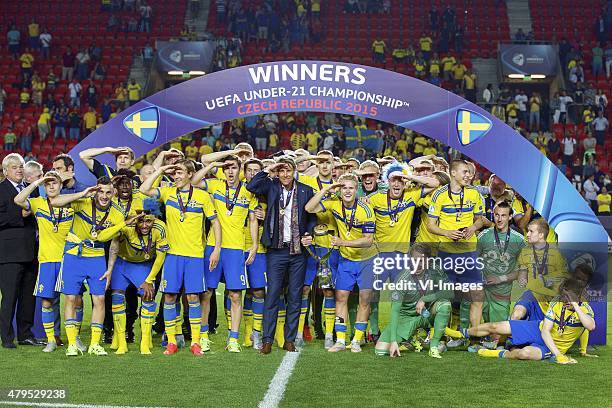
319	378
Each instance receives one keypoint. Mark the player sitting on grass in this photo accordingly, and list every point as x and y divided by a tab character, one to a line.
418	303
565	321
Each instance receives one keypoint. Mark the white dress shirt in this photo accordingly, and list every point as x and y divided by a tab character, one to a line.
287	215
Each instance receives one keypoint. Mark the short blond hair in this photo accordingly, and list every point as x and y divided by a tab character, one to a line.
348	177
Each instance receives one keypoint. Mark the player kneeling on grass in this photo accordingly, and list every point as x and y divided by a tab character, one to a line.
565	321
95	222
417	303
141	250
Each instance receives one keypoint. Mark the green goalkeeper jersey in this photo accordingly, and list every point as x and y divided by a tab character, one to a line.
499	256
430	287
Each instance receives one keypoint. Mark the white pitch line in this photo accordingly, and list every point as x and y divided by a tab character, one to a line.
277	386
62	405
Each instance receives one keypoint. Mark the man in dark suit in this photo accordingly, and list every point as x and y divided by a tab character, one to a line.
285	226
17	258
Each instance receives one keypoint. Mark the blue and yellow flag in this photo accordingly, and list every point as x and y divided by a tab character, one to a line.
143	124
471	126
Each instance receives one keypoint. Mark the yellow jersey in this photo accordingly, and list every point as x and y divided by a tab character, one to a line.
448	63
454	211
186	229
81	240
393	219
546	270
322	217
233	206
603	202
425	43
134	248
567	327
134	91
129	207
248	242
352	224
53	226
423	234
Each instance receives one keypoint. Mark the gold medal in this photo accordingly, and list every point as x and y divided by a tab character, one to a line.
147	256
182	217
55	228
94	234
281	211
392	223
229	213
348	234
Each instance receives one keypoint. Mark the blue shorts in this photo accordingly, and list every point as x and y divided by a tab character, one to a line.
183	272
47	280
466	269
527	333
256	272
77	269
386	266
311	264
351	273
231	266
529	302
126	272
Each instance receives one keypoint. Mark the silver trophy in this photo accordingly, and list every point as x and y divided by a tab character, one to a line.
323	270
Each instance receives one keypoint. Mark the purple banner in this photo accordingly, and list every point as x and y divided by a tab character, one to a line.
365	91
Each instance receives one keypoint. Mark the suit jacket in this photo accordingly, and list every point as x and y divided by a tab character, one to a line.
17	234
261	184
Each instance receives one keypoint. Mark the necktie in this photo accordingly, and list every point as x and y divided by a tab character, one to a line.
20	187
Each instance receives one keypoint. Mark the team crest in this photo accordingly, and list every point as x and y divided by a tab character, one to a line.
143	124
471	126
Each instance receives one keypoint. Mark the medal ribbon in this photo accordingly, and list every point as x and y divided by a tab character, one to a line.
458	217
229	204
393	212
349	224
285	202
126	209
146	249
54	220
498	242
183	208
540	268
97	226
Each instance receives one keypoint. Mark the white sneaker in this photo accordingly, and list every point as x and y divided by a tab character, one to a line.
329	341
339	346
50	347
456	343
355	346
79	343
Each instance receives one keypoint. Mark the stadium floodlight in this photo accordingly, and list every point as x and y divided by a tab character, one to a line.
516	76
197	72
175	72
538	76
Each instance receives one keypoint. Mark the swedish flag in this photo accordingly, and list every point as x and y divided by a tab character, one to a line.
143	124
471	126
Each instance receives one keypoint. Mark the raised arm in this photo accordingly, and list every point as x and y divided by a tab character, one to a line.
87	156
218	156
147	188
199	175
314	205
21	199
64	200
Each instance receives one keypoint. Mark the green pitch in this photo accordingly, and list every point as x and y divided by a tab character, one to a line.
319	378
